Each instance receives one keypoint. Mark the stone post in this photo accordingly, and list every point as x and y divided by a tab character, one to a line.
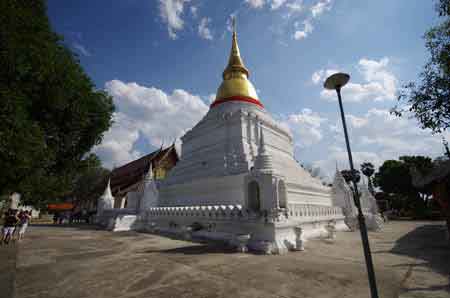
152	227
242	241
331	229
187	233
299	242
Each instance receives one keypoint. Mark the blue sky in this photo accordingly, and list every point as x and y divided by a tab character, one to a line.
162	62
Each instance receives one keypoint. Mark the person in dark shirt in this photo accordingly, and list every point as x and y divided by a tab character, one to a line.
9	225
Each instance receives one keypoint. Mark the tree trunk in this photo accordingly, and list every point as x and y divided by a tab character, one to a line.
446	213
370	186
441	193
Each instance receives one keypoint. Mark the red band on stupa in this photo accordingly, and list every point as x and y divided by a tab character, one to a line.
237	98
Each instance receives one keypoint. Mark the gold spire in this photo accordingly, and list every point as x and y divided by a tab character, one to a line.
235	77
235	63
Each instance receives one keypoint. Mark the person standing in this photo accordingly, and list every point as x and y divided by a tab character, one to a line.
15	235
24	220
9	225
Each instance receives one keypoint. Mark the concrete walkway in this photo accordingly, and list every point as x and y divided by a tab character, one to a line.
7	270
411	260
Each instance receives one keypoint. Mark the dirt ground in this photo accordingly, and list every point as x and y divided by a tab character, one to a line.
411	260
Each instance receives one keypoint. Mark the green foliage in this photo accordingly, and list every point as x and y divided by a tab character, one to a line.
394	175
91	182
368	169
349	176
443	8
422	163
50	112
394	178
428	99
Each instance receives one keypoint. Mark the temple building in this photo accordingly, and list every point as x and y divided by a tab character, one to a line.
438	181
237	180
127	180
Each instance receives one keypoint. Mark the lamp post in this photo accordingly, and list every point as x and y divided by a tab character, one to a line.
336	82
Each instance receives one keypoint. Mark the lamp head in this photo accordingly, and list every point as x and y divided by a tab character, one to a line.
336	81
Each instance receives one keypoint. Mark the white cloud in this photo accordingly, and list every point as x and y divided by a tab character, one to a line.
321	75
211	98
377	71
117	145
229	24
320	7
255	3
203	30
295	6
307	29
306	127
316	10
316	76
194	10
357	122
379	82
81	49
338	156
377	136
276	4
391	134
292	6
149	113
170	12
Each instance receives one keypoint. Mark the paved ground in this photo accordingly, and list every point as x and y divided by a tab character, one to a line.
411	261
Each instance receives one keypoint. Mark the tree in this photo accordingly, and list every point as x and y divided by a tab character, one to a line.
50	113
368	170
394	178
349	176
91	181
428	99
446	148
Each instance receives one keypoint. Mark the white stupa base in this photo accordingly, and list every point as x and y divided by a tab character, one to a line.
228	224
117	220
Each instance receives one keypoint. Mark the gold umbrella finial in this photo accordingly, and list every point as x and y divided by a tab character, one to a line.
233	22
236	86
235	65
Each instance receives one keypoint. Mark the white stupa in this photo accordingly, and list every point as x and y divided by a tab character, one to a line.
239	156
237	179
106	201
150	191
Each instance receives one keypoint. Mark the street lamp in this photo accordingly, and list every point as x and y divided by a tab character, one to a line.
336	82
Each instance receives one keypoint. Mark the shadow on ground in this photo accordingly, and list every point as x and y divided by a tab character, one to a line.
426	243
195	250
80	226
7	269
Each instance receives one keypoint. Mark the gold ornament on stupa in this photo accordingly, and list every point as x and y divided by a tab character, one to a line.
236	85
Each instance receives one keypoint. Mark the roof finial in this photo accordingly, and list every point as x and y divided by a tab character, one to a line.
235	63
149	175
233	23
107	193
